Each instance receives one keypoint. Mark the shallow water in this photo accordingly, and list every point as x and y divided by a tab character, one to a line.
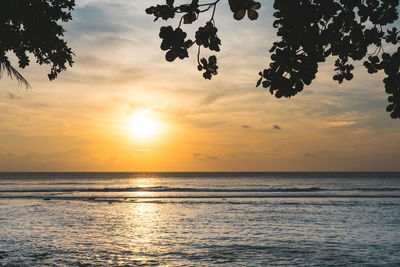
187	219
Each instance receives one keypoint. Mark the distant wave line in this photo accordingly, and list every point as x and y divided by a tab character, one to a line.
188	189
52	197
162	189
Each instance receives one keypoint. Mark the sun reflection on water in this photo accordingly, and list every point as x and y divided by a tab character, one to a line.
143	184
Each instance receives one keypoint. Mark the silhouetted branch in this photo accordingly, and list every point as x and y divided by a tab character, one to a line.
310	31
5	66
35	27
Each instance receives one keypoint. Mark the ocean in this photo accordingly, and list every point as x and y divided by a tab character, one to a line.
200	219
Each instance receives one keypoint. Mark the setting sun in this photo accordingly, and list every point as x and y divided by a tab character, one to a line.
142	124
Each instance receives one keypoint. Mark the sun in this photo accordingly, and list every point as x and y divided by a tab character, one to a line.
142	124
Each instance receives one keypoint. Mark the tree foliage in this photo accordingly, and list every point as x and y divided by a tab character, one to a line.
310	31
33	26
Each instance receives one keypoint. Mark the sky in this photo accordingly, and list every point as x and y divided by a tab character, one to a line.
83	120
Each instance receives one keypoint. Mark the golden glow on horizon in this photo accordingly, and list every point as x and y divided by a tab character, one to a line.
143	125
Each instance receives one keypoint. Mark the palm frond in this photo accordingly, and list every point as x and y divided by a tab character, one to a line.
5	66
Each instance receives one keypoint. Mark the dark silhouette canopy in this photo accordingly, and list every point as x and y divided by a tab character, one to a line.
310	31
33	26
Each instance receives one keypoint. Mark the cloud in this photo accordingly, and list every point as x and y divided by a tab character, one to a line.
53	161
341	123
94	19
211	98
200	156
119	62
12	96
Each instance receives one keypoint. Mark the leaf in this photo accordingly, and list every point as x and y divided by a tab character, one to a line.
5	66
390	108
256	5
259	82
239	14
170	55
252	14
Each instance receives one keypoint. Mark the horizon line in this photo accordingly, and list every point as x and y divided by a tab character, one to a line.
325	171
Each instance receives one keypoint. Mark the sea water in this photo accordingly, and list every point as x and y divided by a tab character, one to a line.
199	219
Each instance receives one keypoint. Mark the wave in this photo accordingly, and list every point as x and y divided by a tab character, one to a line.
384	189
222	197
189	189
161	189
